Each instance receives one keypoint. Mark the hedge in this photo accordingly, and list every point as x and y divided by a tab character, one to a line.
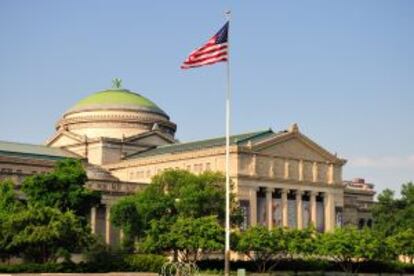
145	262
114	262
153	263
311	265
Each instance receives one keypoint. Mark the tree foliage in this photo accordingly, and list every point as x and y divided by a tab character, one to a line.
9	205
301	242
49	222
63	188
347	245
42	234
125	215
402	243
174	200
188	238
8	201
392	215
263	246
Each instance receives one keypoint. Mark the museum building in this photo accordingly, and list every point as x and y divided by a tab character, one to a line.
281	178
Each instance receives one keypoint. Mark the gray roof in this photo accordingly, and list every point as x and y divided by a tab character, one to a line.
239	139
33	151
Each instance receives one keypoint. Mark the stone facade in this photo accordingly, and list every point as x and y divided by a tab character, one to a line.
280	178
358	199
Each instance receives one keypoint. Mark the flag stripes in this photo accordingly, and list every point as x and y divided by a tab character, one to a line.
215	50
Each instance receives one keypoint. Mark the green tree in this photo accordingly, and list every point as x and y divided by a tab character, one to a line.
348	245
125	215
42	234
188	238
263	246
385	213
171	195
392	215
8	201
63	188
301	242
9	205
402	243
50	222
179	192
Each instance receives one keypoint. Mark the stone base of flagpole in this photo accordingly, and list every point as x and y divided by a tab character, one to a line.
227	263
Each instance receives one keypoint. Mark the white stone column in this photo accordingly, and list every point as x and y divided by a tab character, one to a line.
93	220
313	213
329	211
269	207
108	224
253	206
299	209
285	215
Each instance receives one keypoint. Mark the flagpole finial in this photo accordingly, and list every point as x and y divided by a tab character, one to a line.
227	13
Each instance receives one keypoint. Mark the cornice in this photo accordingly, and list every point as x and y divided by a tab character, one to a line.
288	181
168	157
245	150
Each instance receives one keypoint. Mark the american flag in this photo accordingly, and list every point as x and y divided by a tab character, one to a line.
215	50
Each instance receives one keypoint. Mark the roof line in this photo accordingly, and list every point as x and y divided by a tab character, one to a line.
24	154
22	143
194	145
256	133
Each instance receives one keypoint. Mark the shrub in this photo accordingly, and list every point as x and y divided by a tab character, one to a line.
145	262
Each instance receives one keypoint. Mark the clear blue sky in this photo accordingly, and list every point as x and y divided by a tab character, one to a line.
343	70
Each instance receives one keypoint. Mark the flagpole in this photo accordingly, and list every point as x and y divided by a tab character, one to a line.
228	94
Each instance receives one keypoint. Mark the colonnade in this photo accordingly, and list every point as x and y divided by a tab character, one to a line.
283	196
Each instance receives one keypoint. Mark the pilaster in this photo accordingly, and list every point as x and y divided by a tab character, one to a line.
315	172
300	168
331	174
286	169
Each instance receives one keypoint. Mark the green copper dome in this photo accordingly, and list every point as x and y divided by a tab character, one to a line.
116	99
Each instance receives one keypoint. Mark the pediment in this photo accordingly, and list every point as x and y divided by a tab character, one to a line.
63	139
297	146
150	139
